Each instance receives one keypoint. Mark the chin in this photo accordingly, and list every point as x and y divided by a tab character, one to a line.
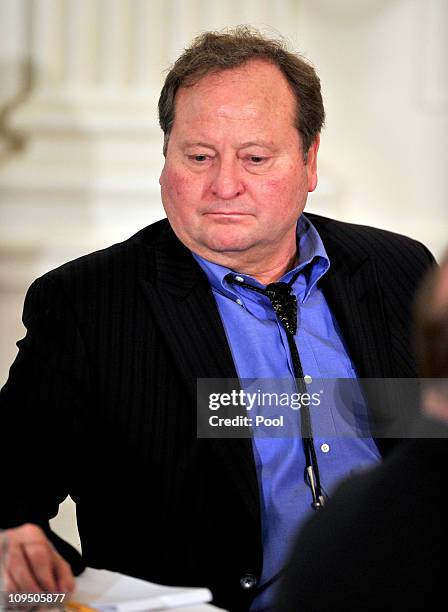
228	248
222	244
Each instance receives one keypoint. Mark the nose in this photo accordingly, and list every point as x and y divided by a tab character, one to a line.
226	182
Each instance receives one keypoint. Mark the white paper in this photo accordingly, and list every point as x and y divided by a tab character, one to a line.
114	592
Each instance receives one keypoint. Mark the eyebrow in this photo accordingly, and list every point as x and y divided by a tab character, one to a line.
257	143
244	145
197	143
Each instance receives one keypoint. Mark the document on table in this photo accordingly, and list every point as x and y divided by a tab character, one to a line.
113	592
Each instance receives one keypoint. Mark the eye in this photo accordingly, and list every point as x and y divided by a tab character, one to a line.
199	158
256	159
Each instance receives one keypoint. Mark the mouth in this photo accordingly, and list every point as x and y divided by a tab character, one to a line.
227	213
225	217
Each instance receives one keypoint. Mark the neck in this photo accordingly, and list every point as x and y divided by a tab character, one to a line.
269	274
264	270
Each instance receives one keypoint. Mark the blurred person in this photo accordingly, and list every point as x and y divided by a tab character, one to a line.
100	403
380	542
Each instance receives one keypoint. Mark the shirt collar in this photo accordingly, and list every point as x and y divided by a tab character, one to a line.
313	263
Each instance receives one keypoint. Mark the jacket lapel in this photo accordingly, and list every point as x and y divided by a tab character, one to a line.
355	296
356	301
184	309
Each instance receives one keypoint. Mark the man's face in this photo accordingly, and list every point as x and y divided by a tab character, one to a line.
234	181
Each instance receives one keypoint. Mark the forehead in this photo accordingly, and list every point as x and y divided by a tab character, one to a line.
257	90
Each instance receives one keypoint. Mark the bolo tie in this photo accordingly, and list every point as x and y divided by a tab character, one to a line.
284	303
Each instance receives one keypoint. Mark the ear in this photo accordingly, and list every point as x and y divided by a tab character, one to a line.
311	164
162	177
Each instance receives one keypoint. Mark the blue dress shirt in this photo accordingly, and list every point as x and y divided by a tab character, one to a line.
259	348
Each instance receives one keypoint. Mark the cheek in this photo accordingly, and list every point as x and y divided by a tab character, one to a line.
272	186
174	183
287	184
279	190
281	198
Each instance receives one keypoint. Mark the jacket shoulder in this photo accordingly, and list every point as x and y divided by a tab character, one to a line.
124	257
362	240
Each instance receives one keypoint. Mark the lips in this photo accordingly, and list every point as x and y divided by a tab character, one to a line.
227	213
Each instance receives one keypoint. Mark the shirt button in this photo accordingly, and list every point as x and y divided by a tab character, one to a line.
307	378
325	448
238	301
248	581
240	279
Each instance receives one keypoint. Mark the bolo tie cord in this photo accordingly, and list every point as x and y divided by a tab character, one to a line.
284	303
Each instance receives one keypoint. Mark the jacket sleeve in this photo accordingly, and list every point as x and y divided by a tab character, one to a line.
40	411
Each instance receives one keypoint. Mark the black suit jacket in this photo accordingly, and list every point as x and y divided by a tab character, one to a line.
101	401
381	542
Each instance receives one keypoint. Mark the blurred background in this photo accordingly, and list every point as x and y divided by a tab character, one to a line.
80	147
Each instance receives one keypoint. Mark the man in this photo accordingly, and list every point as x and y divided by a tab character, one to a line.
101	401
380	542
